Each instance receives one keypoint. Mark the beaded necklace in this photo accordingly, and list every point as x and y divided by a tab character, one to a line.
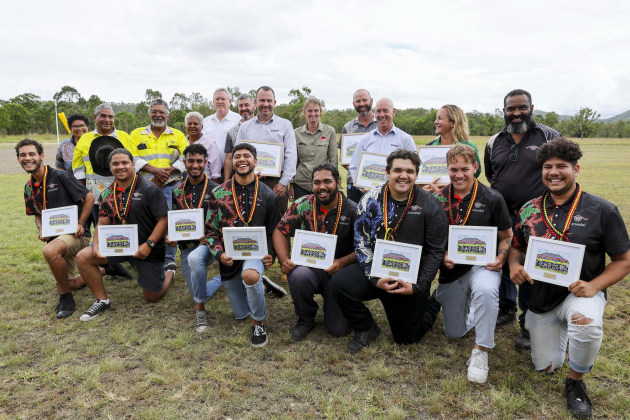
390	232
203	194
338	213
238	210
567	223
44	189
134	183
470	205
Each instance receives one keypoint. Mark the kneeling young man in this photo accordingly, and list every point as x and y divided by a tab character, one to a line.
327	210
412	215
559	315
49	188
466	201
240	202
131	199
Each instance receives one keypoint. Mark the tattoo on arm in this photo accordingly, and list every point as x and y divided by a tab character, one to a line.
515	256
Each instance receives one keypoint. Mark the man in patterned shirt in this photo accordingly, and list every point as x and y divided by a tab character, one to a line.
571	315
326	210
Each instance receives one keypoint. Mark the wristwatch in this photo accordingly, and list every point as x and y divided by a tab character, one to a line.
150	243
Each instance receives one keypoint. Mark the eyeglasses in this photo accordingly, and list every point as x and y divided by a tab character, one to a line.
78	126
514	154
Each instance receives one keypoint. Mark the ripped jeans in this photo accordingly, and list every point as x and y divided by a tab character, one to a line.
567	323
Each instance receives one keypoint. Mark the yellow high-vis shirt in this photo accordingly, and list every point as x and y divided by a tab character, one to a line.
158	152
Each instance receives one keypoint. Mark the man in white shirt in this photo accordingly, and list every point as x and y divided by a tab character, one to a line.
216	126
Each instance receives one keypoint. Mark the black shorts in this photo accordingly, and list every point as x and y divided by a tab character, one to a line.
150	273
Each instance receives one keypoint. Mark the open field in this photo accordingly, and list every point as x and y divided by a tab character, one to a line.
145	361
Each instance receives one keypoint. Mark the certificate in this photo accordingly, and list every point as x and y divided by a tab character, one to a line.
245	243
269	156
433	164
118	240
313	249
554	261
472	245
59	221
371	170
348	144
397	260
185	225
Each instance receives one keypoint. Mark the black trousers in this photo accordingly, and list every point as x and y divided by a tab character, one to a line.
284	201
299	191
351	287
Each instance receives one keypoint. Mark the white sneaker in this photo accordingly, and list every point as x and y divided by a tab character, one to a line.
478	366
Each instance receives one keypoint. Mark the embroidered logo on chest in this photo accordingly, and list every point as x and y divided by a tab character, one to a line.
578	218
533	148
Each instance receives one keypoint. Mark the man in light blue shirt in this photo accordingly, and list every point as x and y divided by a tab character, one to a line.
384	139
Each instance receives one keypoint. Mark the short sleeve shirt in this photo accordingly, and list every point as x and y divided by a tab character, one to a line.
189	196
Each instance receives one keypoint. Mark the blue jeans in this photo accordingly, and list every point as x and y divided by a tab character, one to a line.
194	262
171	251
247	300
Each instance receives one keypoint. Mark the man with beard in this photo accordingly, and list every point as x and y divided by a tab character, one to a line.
511	168
239	202
134	200
49	188
159	157
569	316
326	210
245	105
216	126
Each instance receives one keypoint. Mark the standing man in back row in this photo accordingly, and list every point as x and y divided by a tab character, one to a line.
511	168
217	125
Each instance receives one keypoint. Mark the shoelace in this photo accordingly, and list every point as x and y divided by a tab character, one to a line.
478	361
201	319
258	330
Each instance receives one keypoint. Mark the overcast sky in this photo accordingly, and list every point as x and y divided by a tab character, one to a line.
470	53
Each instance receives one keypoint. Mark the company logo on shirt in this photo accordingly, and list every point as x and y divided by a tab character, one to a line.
578	218
533	147
479	205
52	186
137	195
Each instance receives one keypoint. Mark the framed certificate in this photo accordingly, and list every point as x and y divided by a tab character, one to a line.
185	225
433	164
554	261
371	170
313	249
118	240
397	260
59	221
270	157
472	245
348	144
245	243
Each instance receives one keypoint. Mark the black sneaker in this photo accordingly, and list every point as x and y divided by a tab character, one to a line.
506	316
301	330
171	267
66	306
117	270
363	338
522	342
201	322
577	399
95	310
259	336
273	289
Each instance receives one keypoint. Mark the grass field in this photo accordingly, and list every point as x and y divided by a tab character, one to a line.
145	361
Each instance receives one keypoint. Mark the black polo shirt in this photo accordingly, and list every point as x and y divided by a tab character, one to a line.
596	224
489	209
516	174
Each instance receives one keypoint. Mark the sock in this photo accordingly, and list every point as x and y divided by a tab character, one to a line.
104	301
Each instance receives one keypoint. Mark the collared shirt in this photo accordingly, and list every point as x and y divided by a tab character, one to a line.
147	205
300	216
373	141
596	223
213	166
489	209
65	153
438	141
276	130
424	224
217	130
512	168
189	196
158	152
82	167
314	149
355	126
230	138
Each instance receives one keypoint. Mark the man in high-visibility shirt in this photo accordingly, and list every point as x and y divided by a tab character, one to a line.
159	156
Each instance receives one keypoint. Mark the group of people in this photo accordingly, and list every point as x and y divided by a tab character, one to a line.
115	178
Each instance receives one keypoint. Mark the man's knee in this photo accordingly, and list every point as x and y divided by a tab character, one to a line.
250	277
84	256
583	328
52	250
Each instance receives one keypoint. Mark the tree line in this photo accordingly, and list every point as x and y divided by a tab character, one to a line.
29	113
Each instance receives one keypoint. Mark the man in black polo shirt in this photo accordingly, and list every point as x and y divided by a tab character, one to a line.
48	188
461	287
327	210
559	315
511	168
413	216
131	199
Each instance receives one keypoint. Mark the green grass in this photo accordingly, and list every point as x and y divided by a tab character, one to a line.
145	361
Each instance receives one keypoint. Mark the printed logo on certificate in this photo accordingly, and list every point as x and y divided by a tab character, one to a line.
245	243
348	144
313	249
371	170
554	261
269	156
472	245
433	164
185	225
60	221
397	260
118	240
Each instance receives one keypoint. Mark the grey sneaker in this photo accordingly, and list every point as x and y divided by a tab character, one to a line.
363	338
95	310
201	323
259	336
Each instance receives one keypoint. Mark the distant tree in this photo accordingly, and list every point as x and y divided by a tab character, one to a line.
151	94
91	105
142	114
125	121
200	104
583	120
27	100
551	119
180	101
67	94
293	110
16	118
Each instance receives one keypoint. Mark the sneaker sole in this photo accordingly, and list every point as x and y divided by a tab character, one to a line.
477	380
261	344
65	314
274	287
201	329
87	318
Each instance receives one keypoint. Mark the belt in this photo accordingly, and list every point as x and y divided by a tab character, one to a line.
188	244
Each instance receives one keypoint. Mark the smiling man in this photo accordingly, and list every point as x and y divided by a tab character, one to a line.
245	105
216	126
569	316
412	215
